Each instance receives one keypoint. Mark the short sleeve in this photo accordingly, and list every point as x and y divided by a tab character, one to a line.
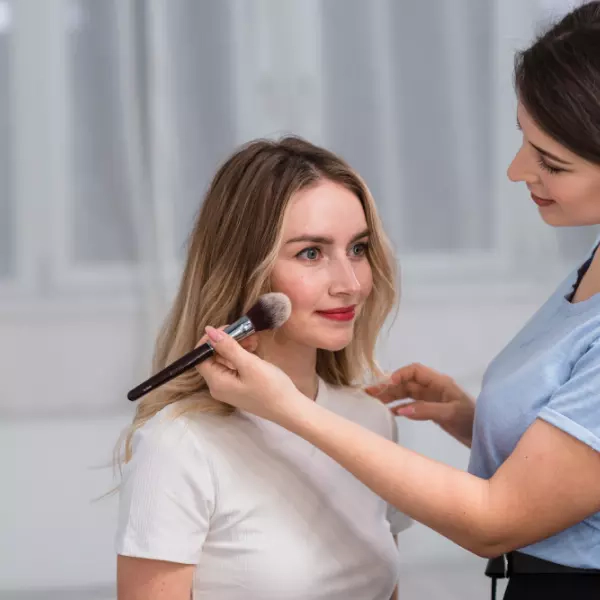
575	405
166	495
398	520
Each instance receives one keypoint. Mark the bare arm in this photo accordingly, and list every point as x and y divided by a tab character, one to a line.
144	579
549	483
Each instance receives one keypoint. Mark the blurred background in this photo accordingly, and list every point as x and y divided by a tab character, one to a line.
113	116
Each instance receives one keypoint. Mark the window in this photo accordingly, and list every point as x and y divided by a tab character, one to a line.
98	218
141	101
416	86
8	253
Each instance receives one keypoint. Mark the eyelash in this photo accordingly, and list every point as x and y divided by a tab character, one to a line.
548	168
363	245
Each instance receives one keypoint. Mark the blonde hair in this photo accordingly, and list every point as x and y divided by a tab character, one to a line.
232	248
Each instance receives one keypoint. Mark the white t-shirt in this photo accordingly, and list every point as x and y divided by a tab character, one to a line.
261	512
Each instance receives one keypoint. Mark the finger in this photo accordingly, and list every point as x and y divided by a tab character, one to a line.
387	393
423	411
417	391
422	383
204	338
390	390
420	375
415	372
221	381
376	389
224	362
250	343
395	387
229	349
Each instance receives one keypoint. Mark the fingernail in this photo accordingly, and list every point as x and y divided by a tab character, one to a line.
405	411
214	335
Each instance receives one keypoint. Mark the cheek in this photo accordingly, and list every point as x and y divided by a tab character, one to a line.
577	200
558	189
364	275
573	193
299	286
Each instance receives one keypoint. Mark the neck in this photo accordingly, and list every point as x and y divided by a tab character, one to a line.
299	362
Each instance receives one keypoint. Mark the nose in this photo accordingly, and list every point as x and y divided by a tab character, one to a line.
343	277
523	167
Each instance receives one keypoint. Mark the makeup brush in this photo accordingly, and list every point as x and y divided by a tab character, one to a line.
269	312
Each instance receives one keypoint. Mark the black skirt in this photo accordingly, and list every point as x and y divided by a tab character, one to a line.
550	586
532	578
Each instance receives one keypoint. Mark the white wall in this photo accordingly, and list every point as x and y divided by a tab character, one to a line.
54	535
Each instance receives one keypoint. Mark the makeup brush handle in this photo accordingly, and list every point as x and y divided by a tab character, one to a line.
240	329
187	361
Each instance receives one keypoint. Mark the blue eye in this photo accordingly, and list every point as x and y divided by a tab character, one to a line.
360	249
309	253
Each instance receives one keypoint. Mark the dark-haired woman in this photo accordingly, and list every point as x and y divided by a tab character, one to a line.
531	499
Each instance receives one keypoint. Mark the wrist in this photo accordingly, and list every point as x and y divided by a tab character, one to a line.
469	420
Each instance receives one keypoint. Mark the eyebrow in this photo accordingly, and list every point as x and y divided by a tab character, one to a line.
544	152
319	239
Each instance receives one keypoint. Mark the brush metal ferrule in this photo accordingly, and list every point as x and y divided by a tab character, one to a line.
240	329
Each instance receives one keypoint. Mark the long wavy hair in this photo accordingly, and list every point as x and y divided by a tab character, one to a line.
232	248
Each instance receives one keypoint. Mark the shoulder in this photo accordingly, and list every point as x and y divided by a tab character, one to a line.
167	492
356	405
168	435
169	454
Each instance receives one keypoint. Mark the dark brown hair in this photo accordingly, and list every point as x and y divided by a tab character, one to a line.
557	80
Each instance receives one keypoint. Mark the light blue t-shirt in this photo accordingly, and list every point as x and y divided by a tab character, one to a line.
550	371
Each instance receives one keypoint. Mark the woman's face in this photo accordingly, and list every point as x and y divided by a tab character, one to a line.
322	266
565	187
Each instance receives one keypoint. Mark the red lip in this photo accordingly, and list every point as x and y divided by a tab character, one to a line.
346	313
541	201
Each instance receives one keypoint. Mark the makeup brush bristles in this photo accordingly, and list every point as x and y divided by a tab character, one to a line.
270	311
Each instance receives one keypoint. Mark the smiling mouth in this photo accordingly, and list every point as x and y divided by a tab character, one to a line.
541	201
339	314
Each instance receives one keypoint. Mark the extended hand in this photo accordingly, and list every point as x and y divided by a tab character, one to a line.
436	397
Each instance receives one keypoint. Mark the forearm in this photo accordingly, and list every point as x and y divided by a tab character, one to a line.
450	501
464	440
467	438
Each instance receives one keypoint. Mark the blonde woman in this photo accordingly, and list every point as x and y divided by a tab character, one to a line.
224	505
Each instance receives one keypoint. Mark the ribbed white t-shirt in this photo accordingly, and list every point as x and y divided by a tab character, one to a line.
262	513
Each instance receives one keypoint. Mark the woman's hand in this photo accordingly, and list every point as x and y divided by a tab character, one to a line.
249	343
436	397
245	381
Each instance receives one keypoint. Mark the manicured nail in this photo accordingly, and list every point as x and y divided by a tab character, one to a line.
405	411
214	335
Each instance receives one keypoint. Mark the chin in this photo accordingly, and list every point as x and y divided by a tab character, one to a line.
556	216
334	344
555	220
